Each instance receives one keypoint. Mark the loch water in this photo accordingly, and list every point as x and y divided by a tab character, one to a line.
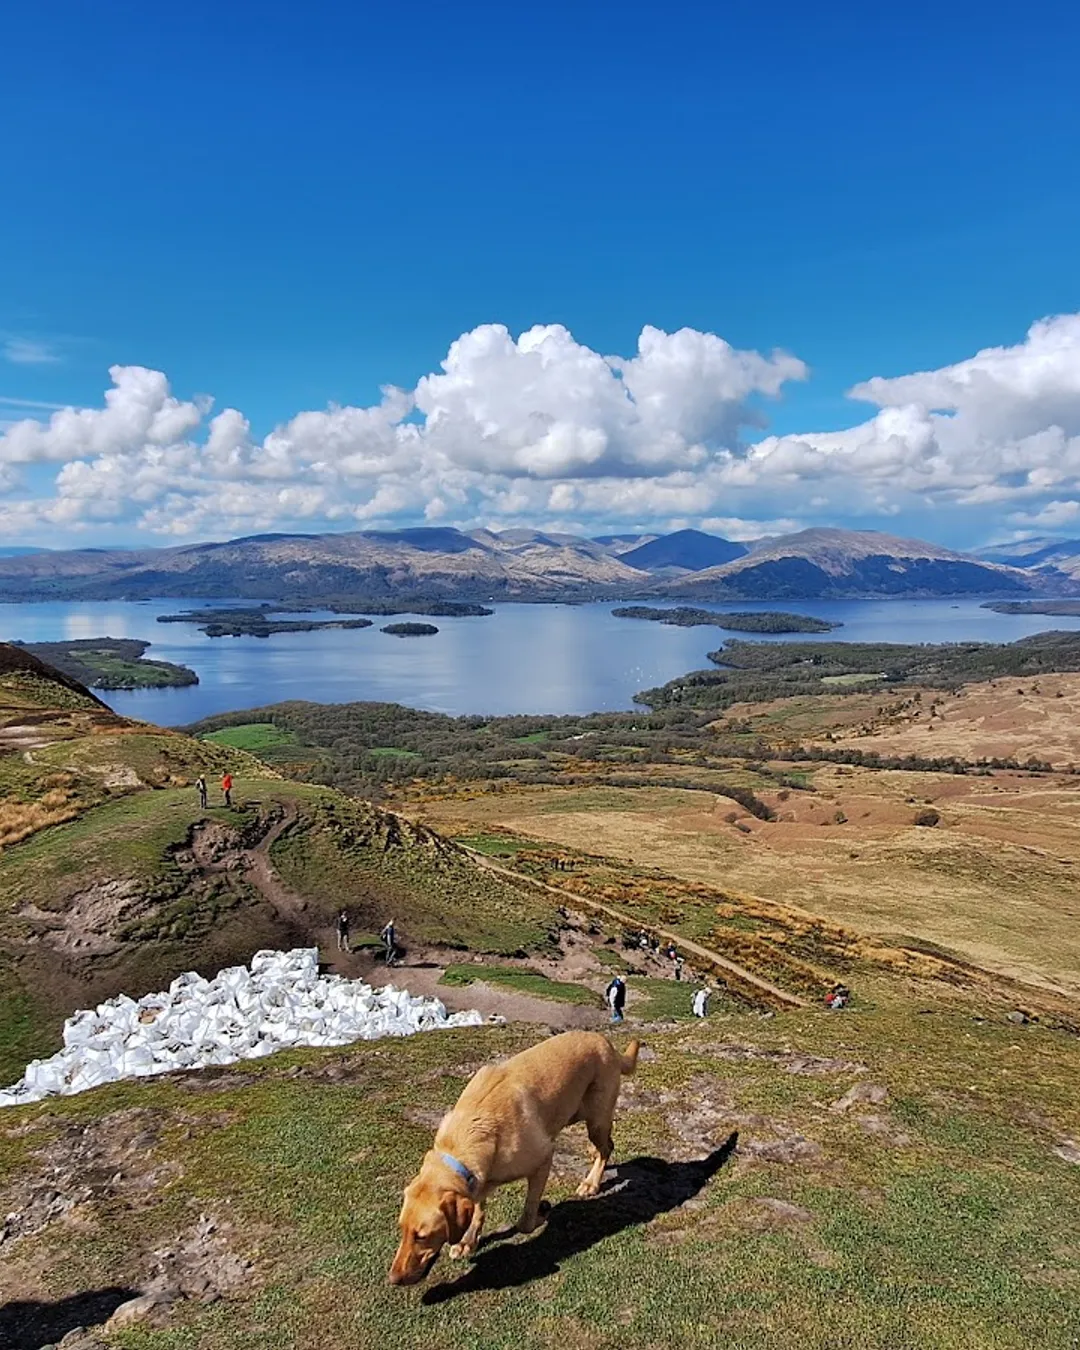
522	659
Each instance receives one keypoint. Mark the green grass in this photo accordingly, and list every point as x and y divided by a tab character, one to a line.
25	688
24	1034
128	837
609	957
533	738
652	999
110	672
19	779
963	1239
393	752
348	852
523	981
254	737
158	758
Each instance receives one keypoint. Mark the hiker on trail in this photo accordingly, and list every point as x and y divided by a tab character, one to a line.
615	997
200	787
671	953
226	788
701	1002
679	963
839	996
389	942
343	931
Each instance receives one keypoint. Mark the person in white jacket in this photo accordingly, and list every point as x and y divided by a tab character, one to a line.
701	1002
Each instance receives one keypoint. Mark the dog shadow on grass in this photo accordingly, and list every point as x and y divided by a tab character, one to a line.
34	1324
641	1189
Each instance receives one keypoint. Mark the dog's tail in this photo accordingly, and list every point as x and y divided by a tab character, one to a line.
628	1062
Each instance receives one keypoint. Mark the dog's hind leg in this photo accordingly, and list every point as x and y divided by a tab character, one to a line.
598	1123
530	1215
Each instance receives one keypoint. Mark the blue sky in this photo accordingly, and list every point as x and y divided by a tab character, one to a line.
286	207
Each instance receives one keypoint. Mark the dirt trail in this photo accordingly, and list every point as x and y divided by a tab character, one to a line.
685	944
255	863
487	999
216	851
288	903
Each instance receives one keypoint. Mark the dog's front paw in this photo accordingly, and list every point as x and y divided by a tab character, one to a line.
460	1250
588	1188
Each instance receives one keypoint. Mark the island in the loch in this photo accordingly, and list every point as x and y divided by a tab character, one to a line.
753	621
1061	608
254	622
411	629
110	663
258	620
436	609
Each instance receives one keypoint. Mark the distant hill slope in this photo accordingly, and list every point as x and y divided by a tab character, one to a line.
825	563
371	564
1038	552
619	544
21	671
520	564
692	550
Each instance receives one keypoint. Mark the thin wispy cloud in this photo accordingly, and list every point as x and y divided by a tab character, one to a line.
31	404
20	351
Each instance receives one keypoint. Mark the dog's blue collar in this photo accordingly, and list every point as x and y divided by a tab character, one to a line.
470	1178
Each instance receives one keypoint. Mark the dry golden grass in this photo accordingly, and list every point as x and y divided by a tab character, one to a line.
995	882
19	820
1000	719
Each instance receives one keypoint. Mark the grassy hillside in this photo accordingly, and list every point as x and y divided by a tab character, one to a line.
990	883
745	1208
905	1173
112	879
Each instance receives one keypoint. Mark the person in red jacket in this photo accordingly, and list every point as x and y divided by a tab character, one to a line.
226	788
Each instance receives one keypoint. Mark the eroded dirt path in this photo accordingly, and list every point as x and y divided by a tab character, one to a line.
217	850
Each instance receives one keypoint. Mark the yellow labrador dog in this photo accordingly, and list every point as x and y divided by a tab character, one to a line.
503	1129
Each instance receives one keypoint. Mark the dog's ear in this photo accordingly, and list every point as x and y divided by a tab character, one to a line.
458	1212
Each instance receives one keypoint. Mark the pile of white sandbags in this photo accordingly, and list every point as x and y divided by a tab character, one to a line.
280	1002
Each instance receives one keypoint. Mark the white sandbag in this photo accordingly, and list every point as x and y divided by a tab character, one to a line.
136	1061
279	1002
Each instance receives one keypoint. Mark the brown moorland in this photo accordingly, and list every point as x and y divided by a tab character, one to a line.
998	719
994	881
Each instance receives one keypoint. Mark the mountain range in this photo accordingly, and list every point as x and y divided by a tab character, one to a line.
1050	557
522	564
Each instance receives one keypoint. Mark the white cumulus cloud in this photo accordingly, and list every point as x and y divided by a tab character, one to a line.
542	428
1003	426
